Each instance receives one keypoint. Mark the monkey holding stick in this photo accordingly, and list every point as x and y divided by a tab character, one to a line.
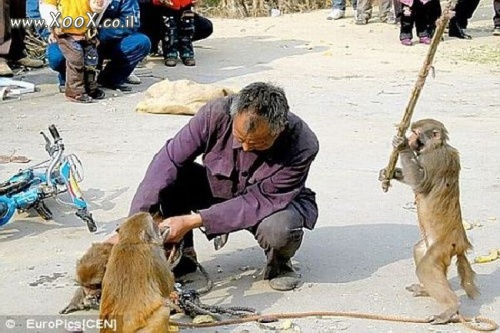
431	167
138	282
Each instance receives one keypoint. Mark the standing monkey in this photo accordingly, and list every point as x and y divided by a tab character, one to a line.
138	281
431	167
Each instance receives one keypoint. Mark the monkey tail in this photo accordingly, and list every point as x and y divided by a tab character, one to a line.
467	276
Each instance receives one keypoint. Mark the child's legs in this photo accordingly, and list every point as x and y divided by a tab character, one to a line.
407	19
186	32
90	62
364	9
170	19
424	19
75	67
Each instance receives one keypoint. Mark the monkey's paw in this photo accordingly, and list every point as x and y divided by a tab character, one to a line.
72	308
400	143
441	319
417	290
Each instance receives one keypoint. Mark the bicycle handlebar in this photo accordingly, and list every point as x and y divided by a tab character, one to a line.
56	153
55	134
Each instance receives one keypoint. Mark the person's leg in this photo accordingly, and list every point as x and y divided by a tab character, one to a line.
496	18
150	21
124	56
459	21
407	18
469	9
75	69
280	236
57	62
203	27
386	12
191	192
170	25
185	42
363	11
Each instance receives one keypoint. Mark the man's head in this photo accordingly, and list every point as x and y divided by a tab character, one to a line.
260	114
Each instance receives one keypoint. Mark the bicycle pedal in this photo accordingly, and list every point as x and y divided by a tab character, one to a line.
43	210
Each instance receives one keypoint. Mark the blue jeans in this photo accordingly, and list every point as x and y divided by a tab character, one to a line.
33	12
57	62
340	4
124	54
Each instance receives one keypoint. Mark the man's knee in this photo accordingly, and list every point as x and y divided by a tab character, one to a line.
136	47
282	228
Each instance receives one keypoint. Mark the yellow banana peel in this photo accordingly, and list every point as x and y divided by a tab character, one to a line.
494	255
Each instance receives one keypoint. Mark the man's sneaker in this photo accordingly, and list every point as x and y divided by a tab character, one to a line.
189	62
133	79
28	62
335	14
496	31
83	98
425	40
5	70
406	42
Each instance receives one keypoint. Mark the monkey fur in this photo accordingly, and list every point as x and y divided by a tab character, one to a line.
138	282
431	167
89	274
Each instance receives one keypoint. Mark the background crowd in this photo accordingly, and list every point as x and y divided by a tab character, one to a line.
87	58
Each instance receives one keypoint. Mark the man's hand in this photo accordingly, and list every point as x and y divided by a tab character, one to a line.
179	226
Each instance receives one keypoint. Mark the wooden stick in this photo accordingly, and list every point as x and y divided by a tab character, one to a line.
424	71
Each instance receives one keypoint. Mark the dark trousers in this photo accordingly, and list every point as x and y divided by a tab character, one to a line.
496	18
422	16
178	31
279	234
151	23
81	62
463	12
11	40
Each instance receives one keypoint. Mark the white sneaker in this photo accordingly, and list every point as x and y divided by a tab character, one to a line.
133	79
335	14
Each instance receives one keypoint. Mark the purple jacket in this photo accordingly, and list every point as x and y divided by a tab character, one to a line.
253	185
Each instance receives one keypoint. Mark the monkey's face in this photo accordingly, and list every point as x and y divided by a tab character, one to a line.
416	141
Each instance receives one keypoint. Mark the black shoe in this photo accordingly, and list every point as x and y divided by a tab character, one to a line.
282	277
97	94
456	31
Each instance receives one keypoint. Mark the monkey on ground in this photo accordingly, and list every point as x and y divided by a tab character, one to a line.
431	167
89	273
90	270
138	282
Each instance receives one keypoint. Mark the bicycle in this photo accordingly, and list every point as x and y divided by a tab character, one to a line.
30	187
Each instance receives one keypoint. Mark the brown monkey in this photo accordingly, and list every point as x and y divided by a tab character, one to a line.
431	167
138	281
89	273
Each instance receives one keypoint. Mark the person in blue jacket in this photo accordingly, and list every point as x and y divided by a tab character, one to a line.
123	46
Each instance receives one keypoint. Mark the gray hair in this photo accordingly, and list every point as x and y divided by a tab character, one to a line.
265	100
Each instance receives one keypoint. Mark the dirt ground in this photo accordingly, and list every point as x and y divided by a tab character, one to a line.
351	84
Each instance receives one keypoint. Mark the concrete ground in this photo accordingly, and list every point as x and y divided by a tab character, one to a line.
351	84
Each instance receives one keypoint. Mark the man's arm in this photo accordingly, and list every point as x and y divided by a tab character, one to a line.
185	146
259	200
